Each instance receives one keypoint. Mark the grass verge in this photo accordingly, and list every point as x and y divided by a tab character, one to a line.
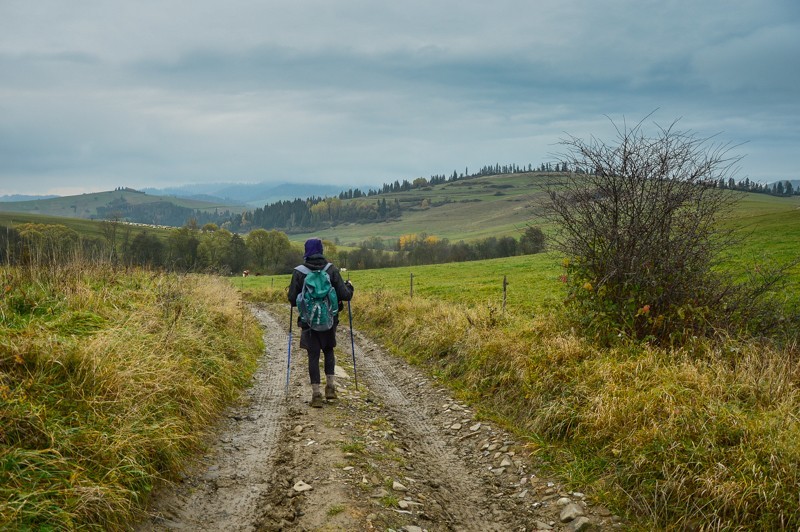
108	382
702	436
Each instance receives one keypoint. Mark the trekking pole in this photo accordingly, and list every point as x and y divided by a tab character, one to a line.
352	341
352	344
289	355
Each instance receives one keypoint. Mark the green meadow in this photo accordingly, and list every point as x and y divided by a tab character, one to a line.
532	282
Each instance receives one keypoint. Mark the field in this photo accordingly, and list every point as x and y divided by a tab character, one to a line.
533	282
769	227
699	435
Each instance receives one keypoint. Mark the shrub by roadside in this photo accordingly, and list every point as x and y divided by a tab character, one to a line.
702	435
108	380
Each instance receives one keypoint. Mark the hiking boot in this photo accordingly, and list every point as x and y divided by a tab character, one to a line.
330	387
330	392
316	400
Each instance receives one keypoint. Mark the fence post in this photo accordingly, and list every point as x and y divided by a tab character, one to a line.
505	292
411	292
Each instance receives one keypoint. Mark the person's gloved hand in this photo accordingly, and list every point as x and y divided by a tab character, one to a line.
349	284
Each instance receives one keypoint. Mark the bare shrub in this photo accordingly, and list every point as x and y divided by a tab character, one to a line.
639	223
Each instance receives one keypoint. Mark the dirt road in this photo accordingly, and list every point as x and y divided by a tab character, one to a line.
398	453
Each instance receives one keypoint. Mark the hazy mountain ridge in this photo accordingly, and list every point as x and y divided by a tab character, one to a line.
25	197
251	194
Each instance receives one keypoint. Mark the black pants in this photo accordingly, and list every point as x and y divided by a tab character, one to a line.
313	364
315	342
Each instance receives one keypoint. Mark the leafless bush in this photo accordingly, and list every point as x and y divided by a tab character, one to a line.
638	221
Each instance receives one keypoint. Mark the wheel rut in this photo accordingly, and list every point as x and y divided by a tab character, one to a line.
397	453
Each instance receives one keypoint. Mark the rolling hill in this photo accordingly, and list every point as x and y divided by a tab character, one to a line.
128	204
502	205
469	209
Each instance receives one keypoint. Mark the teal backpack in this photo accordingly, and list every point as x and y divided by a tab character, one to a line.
317	301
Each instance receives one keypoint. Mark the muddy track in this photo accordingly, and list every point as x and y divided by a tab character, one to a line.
398	453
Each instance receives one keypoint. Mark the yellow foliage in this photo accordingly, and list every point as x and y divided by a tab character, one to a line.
408	241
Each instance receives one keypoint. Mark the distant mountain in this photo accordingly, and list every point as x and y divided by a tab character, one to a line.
251	194
24	197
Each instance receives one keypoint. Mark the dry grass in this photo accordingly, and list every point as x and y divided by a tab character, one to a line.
703	437
108	380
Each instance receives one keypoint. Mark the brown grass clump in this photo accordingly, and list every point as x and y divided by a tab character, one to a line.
108	380
706	435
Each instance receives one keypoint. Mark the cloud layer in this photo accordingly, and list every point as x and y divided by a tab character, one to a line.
105	94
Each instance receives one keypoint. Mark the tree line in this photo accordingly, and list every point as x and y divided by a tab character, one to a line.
191	248
157	213
779	188
209	248
313	213
418	249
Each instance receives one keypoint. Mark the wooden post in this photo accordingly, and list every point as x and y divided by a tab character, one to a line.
505	292
411	293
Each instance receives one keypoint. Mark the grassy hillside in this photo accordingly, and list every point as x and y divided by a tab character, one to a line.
462	210
85	228
85	205
501	205
108	382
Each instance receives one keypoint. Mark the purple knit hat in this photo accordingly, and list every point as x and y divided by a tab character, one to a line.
313	247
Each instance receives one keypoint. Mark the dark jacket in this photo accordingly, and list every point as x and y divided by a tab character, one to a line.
344	291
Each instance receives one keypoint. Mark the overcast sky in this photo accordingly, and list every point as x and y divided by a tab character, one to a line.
96	94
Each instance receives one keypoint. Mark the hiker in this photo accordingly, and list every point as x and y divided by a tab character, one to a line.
313	340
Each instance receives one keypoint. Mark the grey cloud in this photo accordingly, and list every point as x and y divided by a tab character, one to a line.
358	91
766	59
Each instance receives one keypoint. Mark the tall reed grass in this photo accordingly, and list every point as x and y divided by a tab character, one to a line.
108	382
706	436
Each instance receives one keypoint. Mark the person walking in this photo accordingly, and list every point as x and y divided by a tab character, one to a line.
316	341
